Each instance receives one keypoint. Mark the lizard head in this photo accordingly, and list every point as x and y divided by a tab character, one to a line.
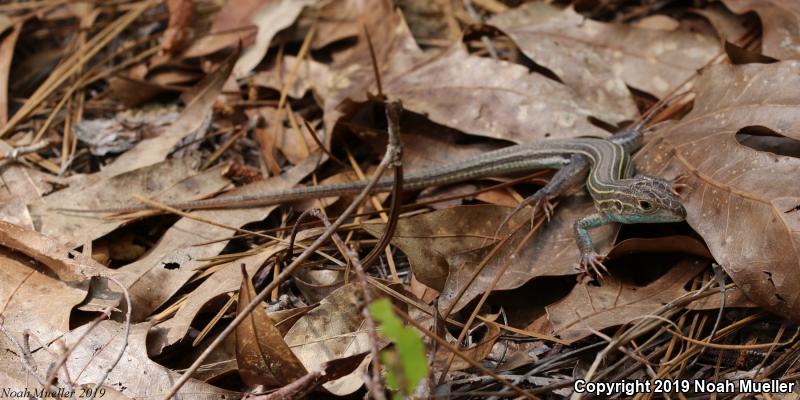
644	199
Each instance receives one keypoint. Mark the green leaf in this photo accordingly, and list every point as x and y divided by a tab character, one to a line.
406	365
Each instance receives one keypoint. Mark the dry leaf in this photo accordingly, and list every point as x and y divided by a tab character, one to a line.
262	354
192	119
172	261
478	351
428	239
171	180
590	307
270	19
334	330
598	59
226	280
742	200
135	376
507	101
310	75
780	20
20	185
550	252
42	282
124	130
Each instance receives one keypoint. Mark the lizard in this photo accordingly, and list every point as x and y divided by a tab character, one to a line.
605	165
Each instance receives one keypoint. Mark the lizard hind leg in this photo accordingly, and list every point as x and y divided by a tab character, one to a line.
569	176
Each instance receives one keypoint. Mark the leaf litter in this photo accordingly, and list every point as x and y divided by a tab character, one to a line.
257	96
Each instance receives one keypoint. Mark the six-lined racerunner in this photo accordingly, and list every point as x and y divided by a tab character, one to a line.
605	165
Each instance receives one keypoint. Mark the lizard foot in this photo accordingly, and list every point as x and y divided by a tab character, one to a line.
543	202
594	261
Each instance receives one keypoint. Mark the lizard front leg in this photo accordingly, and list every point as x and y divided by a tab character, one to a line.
590	258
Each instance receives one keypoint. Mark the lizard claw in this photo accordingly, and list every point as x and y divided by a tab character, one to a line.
539	201
594	261
678	184
546	205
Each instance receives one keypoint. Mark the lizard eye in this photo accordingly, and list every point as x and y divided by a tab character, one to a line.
645	205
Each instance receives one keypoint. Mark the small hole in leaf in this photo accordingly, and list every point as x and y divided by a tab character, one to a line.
172	265
761	138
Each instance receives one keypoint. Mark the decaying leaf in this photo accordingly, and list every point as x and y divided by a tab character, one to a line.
195	117
428	239
781	22
335	329
40	274
589	308
270	18
550	252
742	201
169	180
135	376
262	354
598	59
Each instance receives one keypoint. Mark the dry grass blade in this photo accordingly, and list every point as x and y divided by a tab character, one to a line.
72	64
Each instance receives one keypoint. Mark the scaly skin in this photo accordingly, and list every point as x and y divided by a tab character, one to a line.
618	195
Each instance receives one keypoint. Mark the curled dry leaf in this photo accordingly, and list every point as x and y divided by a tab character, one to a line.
42	282
780	20
271	18
590	307
743	201
598	59
729	26
262	354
